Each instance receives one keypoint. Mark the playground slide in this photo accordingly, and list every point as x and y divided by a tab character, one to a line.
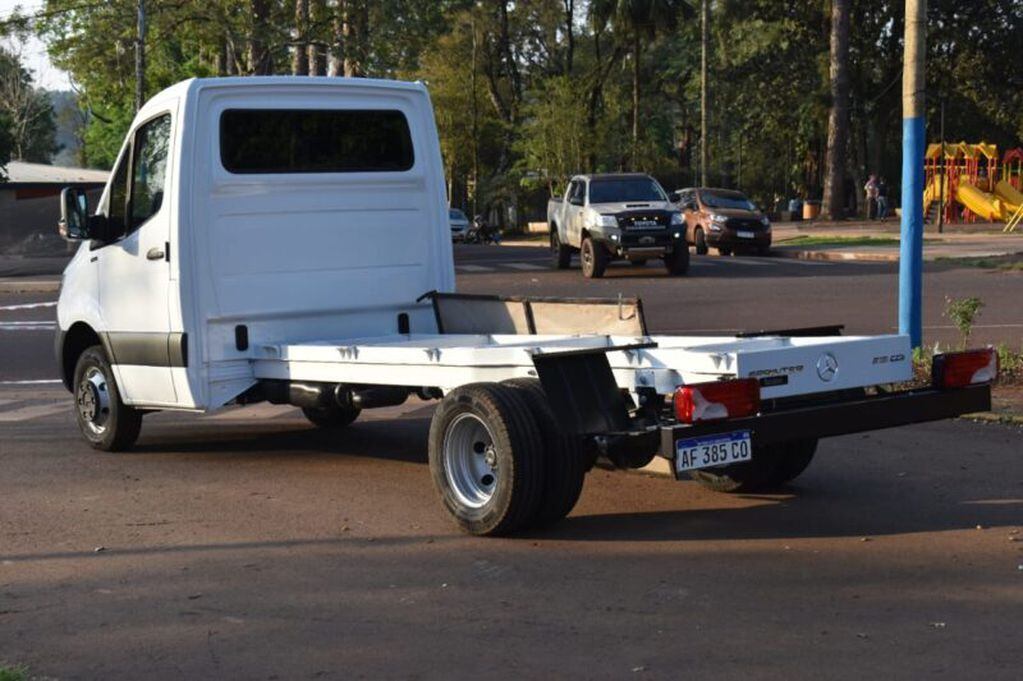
1011	197
986	206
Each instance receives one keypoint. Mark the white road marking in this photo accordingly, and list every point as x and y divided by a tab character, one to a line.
34	382
474	268
28	326
256	412
525	266
34	411
27	306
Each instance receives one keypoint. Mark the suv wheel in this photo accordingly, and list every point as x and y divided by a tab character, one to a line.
594	259
701	242
561	255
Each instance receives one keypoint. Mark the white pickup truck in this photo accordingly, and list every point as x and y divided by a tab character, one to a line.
286	240
620	216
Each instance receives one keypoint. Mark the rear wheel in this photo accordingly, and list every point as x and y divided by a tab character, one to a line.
106	422
770	467
334	416
701	242
486	458
561	255
724	250
677	262
563	461
594	259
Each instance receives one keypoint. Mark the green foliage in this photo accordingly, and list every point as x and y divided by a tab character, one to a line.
963	313
17	673
27	113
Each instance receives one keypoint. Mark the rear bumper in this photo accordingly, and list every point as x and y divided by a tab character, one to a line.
729	237
839	418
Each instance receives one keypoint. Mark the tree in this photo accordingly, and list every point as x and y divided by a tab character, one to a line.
6	145
28	112
637	21
838	118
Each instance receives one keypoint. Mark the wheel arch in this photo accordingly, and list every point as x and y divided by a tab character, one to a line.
71	344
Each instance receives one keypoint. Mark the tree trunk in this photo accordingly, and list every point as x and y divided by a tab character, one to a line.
569	35
838	119
635	98
140	55
336	53
355	33
704	104
318	18
299	54
259	56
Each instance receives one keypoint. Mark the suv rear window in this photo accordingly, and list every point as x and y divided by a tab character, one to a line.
314	141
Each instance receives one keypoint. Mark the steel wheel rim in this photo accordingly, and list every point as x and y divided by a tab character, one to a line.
587	255
470	460
92	400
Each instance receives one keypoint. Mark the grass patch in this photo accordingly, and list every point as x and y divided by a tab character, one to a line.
16	673
839	240
1003	263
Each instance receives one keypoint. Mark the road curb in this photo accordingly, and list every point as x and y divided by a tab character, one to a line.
836	256
29	285
531	244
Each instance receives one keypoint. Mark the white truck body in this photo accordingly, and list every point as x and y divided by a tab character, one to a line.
272	238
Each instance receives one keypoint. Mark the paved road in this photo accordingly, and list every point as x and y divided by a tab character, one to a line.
247	545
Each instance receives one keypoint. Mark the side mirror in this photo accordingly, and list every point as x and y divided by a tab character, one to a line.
674	197
74	214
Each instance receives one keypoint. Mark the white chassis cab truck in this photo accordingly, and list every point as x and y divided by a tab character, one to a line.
287	240
616	216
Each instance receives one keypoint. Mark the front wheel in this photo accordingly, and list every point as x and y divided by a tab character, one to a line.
594	259
486	458
107	423
677	262
770	467
701	242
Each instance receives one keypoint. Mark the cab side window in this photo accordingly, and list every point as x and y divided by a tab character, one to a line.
149	170
117	203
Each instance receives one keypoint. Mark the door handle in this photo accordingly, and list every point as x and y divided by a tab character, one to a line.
155	253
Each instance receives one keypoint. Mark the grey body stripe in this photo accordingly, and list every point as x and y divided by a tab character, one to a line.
147	349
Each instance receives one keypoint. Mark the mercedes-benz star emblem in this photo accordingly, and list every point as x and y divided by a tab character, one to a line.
827	367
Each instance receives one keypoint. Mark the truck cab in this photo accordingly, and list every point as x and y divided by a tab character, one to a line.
619	216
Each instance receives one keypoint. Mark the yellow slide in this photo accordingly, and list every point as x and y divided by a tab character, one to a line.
986	206
1011	197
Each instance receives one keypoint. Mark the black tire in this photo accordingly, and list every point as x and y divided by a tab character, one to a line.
677	262
594	258
561	255
107	423
564	463
515	455
769	468
701	242
334	416
724	250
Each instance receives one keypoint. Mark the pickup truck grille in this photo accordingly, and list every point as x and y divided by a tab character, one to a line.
639	240
637	220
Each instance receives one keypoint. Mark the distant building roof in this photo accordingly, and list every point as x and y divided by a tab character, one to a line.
19	172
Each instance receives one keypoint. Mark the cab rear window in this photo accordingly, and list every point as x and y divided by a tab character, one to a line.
256	141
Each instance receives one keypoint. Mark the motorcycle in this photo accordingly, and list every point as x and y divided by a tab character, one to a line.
480	232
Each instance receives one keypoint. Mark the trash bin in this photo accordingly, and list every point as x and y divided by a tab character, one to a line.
811	209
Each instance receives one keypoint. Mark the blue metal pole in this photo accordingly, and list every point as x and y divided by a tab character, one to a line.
911	249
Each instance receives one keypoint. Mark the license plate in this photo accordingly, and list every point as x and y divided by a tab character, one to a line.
713	450
745	235
642	224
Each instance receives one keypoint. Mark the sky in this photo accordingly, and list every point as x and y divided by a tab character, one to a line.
33	52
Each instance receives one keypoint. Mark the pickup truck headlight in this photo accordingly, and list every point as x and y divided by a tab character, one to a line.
607	221
677	219
719	219
765	222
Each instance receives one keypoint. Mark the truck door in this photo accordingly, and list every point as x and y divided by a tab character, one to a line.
576	200
134	270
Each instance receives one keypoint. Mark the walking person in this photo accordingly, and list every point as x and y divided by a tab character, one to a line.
870	189
882	200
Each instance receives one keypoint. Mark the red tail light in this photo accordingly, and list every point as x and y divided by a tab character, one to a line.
959	369
717	400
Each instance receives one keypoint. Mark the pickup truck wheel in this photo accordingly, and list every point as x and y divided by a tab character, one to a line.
701	242
107	423
561	255
563	460
594	259
677	262
486	458
769	468
334	416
